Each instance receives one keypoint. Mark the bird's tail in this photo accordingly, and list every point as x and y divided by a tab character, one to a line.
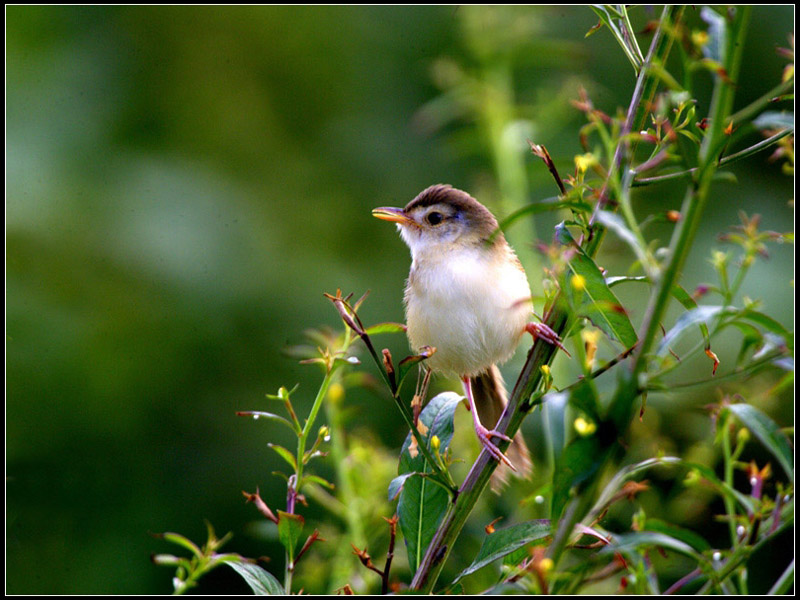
489	393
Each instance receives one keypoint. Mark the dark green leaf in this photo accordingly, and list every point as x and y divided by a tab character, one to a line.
597	302
768	433
290	528
505	541
422	502
262	582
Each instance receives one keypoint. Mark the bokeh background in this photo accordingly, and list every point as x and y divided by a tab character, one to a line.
184	183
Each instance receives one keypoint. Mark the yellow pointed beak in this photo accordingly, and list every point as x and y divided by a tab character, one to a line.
395	215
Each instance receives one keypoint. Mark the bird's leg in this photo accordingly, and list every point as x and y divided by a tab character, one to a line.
540	330
485	435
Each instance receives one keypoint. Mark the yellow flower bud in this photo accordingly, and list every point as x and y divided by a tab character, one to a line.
578	282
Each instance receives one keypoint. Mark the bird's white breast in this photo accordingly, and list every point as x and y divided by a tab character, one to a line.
471	306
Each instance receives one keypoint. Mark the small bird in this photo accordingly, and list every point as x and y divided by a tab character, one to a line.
467	295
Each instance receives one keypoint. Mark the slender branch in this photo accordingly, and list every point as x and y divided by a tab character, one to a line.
731	158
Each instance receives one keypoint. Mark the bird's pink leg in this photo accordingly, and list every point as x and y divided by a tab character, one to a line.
485	435
540	330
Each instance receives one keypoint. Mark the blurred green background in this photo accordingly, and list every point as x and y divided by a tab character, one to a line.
184	183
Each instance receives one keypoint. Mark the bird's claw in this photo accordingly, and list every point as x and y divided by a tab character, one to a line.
485	436
540	330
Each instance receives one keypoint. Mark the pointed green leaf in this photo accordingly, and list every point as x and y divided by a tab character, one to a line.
634	542
405	366
768	433
285	454
597	302
397	484
260	414
385	328
696	316
262	582
177	538
290	528
315	479
422	502
505	541
687	536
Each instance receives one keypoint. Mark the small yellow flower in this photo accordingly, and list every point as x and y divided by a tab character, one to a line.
546	564
583	162
435	443
336	392
578	282
699	38
584	427
590	337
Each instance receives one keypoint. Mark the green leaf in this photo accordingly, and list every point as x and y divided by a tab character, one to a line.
626	474
597	303
285	454
696	316
422	502
405	366
769	324
615	223
315	479
260	414
397	484
385	328
262	582
543	206
768	433
633	542
505	541
177	538
290	528
680	294
697	542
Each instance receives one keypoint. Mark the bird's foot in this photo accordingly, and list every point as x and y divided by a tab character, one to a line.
542	331
485	436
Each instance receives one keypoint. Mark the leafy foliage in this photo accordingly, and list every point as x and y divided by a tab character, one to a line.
592	473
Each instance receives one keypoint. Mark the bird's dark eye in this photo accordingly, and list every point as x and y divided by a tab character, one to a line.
434	218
